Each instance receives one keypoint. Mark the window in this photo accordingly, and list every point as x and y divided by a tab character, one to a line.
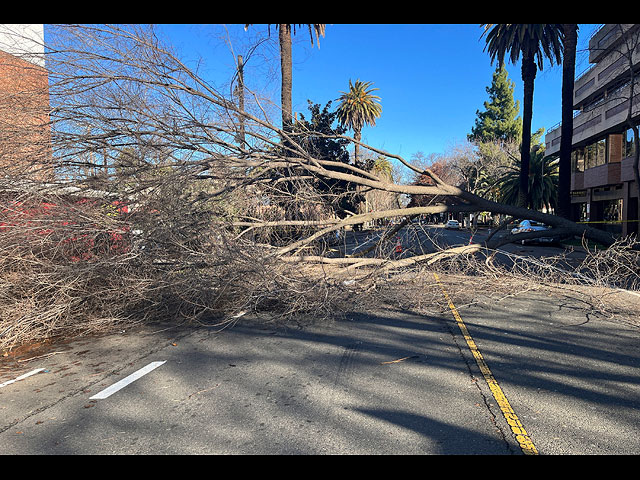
596	153
590	156
627	144
584	212
612	210
602	151
577	160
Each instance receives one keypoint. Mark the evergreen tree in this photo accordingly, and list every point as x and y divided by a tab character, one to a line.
500	120
317	134
496	136
319	137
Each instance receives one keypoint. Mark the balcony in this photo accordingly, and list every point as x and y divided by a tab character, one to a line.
607	37
603	175
604	117
597	92
592	86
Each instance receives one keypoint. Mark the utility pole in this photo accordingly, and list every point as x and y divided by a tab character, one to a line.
240	95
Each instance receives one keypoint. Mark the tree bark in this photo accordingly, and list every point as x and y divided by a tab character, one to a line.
528	77
566	130
285	65
356	147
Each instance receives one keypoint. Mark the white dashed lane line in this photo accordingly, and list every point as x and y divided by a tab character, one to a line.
126	381
22	377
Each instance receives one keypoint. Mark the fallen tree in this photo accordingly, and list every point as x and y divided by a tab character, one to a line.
468	202
218	224
192	131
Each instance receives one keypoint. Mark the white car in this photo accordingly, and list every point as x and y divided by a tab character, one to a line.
531	226
452	225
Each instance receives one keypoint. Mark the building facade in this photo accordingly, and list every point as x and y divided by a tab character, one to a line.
603	189
25	138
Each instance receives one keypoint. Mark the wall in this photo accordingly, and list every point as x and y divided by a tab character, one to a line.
25	139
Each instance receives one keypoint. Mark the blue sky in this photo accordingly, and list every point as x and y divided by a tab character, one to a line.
431	77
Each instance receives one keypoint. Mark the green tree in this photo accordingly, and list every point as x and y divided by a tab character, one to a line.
358	107
542	182
318	137
284	36
566	130
383	168
534	42
499	120
318	134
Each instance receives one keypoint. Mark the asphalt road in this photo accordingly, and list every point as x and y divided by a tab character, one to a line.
386	382
428	238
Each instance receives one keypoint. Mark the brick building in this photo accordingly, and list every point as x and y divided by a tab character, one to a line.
25	139
603	189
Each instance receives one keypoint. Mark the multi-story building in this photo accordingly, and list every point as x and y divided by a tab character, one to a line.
603	189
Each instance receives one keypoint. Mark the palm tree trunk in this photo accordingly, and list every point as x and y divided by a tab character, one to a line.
357	136
285	65
566	130
636	172
528	77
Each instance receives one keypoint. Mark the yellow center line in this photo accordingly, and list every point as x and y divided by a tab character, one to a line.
512	419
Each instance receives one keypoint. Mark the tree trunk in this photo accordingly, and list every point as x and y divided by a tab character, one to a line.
285	65
357	136
566	130
528	77
636	173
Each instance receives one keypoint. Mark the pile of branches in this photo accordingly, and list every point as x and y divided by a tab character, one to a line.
60	263
70	267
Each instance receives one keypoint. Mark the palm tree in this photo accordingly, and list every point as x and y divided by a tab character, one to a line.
358	107
534	42
383	168
566	129
376	200
284	37
542	184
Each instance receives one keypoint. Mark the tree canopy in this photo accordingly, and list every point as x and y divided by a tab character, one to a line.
359	107
499	120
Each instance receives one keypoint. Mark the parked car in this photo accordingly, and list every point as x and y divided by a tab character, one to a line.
452	225
532	226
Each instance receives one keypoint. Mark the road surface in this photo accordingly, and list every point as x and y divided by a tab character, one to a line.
383	382
428	238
